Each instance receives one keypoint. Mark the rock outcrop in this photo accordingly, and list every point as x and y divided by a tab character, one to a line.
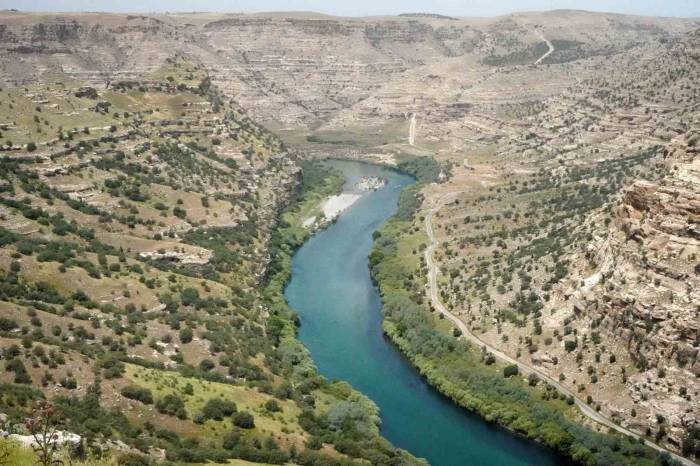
649	299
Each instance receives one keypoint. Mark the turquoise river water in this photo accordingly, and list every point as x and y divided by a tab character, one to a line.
340	313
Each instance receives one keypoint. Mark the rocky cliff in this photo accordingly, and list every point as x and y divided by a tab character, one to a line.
649	299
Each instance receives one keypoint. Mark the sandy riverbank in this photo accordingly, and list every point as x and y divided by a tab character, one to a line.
332	208
334	205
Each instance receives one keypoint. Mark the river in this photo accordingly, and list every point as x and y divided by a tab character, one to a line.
340	313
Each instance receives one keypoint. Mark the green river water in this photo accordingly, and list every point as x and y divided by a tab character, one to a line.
340	312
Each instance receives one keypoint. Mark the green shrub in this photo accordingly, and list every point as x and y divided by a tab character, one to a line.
172	405
7	324
134	392
510	371
186	335
69	383
179	212
134	459
17	366
206	365
217	409
272	406
189	296
112	367
244	420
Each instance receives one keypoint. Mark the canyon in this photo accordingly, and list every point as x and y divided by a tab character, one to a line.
564	211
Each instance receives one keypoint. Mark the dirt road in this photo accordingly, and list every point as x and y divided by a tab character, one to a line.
524	368
549	44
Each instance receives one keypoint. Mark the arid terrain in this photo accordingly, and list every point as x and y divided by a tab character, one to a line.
148	162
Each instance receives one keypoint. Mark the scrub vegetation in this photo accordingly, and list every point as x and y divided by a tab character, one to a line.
137	295
351	422
472	378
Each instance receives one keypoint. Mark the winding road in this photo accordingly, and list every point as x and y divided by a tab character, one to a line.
524	368
549	44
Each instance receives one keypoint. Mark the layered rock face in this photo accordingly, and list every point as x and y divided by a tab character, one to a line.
310	70
572	240
552	238
650	300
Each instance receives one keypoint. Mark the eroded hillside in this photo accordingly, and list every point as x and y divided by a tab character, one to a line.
136	224
573	246
567	220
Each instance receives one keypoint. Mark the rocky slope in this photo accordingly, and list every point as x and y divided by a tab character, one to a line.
571	242
573	245
136	225
261	59
648	297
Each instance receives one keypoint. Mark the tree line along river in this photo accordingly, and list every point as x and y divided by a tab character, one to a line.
340	311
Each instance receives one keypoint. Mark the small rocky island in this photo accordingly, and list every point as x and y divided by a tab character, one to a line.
370	183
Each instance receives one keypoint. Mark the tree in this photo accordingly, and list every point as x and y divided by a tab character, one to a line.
217	409
244	420
135	392
172	405
206	365
272	406
31	147
510	371
532	379
186	335
189	296
42	426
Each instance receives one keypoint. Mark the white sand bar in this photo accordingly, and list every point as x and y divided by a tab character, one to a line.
334	205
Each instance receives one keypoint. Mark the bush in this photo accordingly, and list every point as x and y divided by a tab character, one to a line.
244	420
21	375
186	335
217	409
134	392
7	324
533	379
206	365
113	367
189	296
272	406
31	147
134	459
172	405
69	383
232	440
510	371
314	443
